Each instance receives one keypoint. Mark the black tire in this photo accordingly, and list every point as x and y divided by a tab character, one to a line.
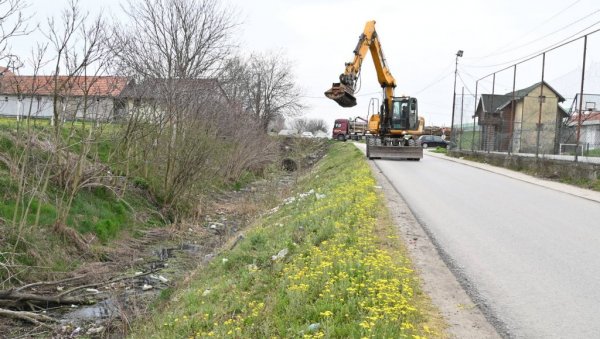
369	142
341	137
424	145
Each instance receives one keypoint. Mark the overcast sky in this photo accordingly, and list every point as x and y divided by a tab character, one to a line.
419	39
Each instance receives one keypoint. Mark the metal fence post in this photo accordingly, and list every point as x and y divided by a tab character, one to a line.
541	100
512	112
581	98
462	105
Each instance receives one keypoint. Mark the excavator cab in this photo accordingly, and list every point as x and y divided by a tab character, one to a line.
404	113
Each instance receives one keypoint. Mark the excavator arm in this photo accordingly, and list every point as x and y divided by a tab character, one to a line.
343	92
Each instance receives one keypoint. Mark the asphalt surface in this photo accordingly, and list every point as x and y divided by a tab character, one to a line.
527	253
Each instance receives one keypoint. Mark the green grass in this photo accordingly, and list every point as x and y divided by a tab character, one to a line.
467	140
94	210
592	153
440	150
344	275
99	212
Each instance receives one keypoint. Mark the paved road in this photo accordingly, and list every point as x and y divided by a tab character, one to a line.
530	255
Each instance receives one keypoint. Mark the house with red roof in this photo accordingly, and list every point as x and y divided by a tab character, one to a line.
96	98
589	128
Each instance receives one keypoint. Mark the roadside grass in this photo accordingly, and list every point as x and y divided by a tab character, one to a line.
592	153
326	262
468	139
440	150
27	218
95	210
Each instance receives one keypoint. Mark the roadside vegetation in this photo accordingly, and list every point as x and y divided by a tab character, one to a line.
327	262
192	123
441	150
82	195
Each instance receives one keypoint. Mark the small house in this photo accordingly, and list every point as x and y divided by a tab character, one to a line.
76	97
512	120
589	130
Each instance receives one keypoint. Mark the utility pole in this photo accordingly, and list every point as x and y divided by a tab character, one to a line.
458	55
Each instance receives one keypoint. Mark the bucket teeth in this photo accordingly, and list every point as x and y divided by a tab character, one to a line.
341	94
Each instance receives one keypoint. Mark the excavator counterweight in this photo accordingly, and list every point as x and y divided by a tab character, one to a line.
341	94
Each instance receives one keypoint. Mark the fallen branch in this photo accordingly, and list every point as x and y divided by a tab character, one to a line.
74	289
49	283
35	318
15	296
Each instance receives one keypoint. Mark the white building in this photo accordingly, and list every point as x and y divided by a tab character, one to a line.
94	98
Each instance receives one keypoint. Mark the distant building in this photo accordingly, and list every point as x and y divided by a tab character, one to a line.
164	100
511	119
589	131
77	97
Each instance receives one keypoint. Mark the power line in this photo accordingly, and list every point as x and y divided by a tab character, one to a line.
464	84
545	50
433	83
504	51
551	33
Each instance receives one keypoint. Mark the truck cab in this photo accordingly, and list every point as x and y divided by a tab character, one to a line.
340	129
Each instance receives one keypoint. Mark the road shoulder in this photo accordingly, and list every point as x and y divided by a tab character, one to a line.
464	318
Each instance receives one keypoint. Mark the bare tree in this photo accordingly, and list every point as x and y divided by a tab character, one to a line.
78	44
315	125
171	47
178	39
80	56
234	77
13	23
271	89
299	124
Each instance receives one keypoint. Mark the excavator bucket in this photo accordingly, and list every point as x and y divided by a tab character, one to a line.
342	95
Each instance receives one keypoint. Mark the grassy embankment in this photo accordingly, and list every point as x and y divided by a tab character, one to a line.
345	274
30	199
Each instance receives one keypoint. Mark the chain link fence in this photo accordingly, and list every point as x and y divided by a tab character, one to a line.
547	105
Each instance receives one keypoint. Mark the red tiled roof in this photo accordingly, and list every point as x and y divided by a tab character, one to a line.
104	86
585	117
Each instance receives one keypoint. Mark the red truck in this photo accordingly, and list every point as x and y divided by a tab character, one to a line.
344	129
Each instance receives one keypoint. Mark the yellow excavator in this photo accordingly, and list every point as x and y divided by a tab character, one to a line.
396	127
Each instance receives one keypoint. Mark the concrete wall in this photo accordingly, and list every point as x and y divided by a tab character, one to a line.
545	168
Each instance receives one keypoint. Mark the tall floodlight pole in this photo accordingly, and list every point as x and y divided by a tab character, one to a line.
458	55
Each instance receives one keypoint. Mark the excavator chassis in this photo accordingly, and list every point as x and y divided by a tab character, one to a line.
341	94
377	150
